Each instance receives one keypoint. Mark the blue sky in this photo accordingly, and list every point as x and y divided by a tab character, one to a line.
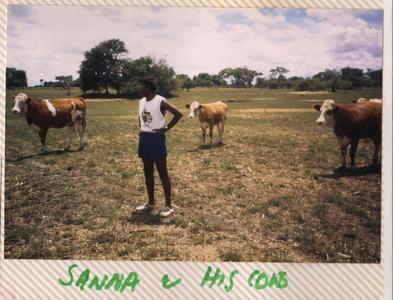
47	41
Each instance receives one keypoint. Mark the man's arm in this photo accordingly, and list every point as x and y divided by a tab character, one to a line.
177	115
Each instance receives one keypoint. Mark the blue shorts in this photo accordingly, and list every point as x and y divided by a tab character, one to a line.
151	147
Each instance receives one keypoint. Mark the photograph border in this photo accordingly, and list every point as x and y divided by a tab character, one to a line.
39	278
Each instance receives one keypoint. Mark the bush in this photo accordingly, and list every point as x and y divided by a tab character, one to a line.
345	85
273	85
302	85
317	85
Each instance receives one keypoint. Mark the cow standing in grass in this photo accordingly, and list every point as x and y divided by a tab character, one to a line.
359	100
209	115
352	123
57	113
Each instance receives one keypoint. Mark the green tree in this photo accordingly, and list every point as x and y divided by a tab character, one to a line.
147	65
183	81
278	73
103	66
277	77
203	79
53	84
261	83
375	76
187	84
217	81
354	75
331	76
239	77
302	85
15	78
65	81
76	83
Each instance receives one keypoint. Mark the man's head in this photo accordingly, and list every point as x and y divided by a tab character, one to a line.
147	86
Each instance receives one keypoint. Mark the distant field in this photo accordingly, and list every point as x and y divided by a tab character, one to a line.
269	194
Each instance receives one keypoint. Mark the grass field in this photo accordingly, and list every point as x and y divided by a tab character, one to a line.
269	194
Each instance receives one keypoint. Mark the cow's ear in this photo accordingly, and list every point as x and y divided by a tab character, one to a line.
354	101
187	105
28	100
199	106
317	107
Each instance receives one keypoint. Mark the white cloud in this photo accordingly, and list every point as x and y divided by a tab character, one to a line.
48	41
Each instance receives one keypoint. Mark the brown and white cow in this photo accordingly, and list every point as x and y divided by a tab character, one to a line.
365	100
57	113
352	123
208	115
359	100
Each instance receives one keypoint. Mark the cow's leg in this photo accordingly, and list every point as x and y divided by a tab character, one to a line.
203	135
81	132
42	135
343	142
377	144
211	135
219	133
70	133
352	152
220	127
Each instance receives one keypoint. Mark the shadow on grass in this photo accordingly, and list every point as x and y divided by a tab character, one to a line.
353	172
234	101
206	147
48	153
147	218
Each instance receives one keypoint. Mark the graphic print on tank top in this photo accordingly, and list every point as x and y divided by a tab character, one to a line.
147	118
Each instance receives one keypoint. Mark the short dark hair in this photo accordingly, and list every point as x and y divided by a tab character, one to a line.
148	82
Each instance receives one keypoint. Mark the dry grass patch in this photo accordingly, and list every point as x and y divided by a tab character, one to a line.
310	92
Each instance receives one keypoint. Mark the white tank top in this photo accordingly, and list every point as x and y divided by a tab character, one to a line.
150	114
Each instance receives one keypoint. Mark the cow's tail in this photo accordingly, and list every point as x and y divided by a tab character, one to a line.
83	100
84	119
73	111
225	111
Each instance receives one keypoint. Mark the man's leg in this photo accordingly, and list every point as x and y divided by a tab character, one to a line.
166	183
148	168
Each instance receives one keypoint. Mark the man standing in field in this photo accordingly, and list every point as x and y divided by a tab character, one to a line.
152	141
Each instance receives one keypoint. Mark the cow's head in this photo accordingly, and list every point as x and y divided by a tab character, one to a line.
20	104
194	109
327	110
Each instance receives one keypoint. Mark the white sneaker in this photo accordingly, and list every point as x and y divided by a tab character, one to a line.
145	207
166	211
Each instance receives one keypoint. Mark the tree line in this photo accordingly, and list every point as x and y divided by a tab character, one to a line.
105	69
332	80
